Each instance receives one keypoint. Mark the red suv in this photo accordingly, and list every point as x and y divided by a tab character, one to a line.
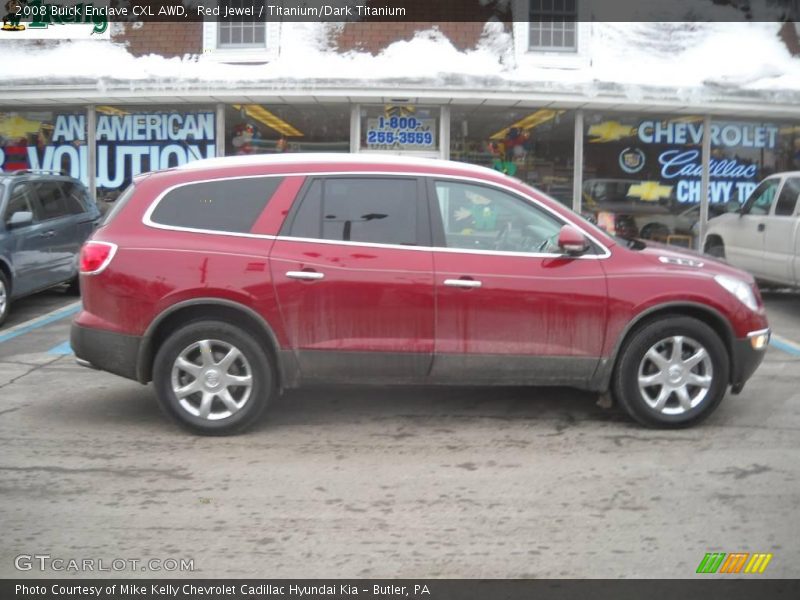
227	280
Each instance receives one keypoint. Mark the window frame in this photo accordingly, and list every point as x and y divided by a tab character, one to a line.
440	235
554	13
25	185
751	200
577	58
784	186
423	219
147	219
258	53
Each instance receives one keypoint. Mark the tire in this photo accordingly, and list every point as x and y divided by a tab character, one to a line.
703	379
5	297
193	358
74	286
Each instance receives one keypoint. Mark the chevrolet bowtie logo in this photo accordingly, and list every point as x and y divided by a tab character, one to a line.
610	131
649	191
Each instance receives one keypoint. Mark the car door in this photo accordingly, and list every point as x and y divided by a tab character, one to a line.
60	227
780	233
509	306
353	274
28	245
744	236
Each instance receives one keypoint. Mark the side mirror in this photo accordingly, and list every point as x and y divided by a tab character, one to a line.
571	241
20	219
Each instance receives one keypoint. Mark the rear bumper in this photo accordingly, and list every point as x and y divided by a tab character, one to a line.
106	350
746	358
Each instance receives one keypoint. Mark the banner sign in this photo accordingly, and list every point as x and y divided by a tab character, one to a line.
127	145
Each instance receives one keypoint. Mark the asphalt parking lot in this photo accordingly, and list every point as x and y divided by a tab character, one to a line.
404	482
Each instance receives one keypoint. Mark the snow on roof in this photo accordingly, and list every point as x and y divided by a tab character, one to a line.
685	59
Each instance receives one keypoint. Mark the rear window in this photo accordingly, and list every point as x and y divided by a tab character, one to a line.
227	205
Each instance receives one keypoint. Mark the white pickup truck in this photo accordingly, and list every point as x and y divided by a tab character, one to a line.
763	236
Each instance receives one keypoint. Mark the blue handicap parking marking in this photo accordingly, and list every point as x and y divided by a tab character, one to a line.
785	345
63	348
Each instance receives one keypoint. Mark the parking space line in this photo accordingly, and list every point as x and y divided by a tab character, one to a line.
785	345
62	348
38	322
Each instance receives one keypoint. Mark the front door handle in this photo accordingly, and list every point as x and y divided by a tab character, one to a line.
761	226
47	234
463	283
306	275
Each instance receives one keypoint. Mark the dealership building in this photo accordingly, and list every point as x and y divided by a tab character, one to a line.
633	120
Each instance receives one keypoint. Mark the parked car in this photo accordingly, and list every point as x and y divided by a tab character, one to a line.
608	203
763	236
46	217
226	280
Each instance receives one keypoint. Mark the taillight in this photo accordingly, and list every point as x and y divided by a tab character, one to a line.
95	257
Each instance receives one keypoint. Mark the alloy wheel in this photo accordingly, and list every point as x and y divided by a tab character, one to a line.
212	379
675	375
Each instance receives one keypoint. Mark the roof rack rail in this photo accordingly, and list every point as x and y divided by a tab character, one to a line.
36	172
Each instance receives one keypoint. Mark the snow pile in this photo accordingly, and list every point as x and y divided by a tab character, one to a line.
682	55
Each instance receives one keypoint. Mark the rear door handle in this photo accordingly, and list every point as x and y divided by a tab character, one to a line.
47	234
463	283
306	275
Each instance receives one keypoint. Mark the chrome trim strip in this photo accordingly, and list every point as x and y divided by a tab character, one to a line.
753	334
147	218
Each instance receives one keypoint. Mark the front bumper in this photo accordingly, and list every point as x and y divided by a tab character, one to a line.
747	355
106	350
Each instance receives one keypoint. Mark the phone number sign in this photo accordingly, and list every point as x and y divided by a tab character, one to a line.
401	133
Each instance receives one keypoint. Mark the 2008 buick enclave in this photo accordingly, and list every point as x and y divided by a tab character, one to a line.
227	280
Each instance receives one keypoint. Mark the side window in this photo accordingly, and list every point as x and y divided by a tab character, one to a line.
19	201
74	197
227	205
50	199
482	218
788	197
367	209
762	198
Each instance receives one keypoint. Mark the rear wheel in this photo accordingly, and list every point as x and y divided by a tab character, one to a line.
5	297
213	378
673	372
715	248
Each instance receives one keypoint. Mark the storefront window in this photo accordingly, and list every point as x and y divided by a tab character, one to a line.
745	152
534	145
44	140
134	140
630	183
399	128
642	173
259	129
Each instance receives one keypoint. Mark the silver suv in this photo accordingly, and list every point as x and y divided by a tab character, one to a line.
46	217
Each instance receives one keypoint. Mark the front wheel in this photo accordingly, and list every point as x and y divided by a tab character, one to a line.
672	372
213	378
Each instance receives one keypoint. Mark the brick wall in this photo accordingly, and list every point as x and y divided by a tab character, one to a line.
374	37
166	39
461	21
